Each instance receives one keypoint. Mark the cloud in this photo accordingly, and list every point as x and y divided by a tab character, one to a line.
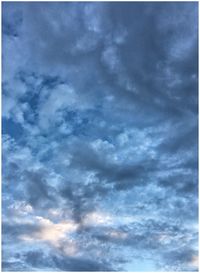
53	233
100	112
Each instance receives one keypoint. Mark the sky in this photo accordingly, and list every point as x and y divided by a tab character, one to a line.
100	136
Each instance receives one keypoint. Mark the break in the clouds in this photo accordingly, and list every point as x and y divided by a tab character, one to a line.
100	119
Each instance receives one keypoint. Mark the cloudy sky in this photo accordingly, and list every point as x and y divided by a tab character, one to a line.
100	117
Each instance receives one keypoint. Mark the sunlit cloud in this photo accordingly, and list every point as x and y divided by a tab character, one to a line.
51	232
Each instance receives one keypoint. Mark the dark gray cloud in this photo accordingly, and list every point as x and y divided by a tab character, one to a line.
37	189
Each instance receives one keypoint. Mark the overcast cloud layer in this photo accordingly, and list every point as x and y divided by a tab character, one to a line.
100	121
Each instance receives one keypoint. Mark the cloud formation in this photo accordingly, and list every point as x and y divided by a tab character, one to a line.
100	133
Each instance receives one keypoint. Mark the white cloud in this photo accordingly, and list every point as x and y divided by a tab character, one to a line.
194	261
53	233
93	17
51	109
116	234
97	218
111	59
